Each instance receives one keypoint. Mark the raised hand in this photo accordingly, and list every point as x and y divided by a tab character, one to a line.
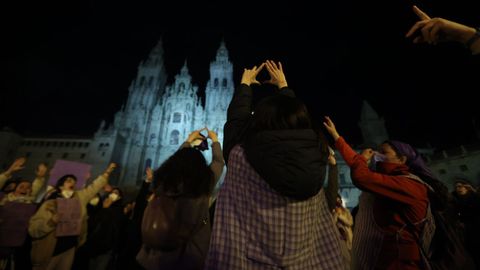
435	30
212	135
277	77
249	76
368	153
470	188
109	170
149	173
331	157
107	202
17	165
330	126
196	135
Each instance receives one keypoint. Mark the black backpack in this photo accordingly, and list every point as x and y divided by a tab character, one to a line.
441	241
170	221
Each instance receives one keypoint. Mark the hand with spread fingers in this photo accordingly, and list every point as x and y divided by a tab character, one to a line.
330	126
16	166
435	30
212	135
249	76
277	77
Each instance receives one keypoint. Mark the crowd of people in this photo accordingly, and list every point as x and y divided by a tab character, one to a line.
273	210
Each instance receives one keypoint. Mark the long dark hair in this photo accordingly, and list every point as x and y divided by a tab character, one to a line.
280	112
185	172
64	178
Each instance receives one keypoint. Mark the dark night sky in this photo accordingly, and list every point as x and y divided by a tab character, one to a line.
66	66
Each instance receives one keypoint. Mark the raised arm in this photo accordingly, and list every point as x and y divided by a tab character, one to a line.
239	111
217	159
435	30
331	190
397	188
277	78
91	190
195	137
17	165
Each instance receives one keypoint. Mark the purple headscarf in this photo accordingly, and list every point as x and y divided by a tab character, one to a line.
414	161
439	197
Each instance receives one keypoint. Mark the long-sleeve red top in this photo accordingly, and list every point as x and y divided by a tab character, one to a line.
396	198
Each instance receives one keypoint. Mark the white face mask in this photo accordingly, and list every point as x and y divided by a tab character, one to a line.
113	196
95	201
67	193
377	157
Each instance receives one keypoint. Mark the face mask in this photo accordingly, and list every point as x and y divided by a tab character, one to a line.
67	193
377	158
95	201
113	196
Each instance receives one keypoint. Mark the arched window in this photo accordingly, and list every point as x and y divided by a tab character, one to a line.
224	83
150	82
181	86
215	82
177	117
174	137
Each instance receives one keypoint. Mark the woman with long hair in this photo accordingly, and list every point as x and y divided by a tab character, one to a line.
271	210
176	225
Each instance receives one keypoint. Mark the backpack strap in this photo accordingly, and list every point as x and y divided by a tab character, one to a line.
425	237
418	179
415	224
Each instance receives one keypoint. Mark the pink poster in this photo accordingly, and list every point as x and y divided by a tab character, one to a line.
69	218
14	217
63	167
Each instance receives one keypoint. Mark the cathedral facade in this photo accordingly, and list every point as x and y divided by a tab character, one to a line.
157	118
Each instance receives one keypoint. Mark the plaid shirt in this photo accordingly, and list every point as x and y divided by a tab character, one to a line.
257	228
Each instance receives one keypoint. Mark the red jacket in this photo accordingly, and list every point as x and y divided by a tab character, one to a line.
397	198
